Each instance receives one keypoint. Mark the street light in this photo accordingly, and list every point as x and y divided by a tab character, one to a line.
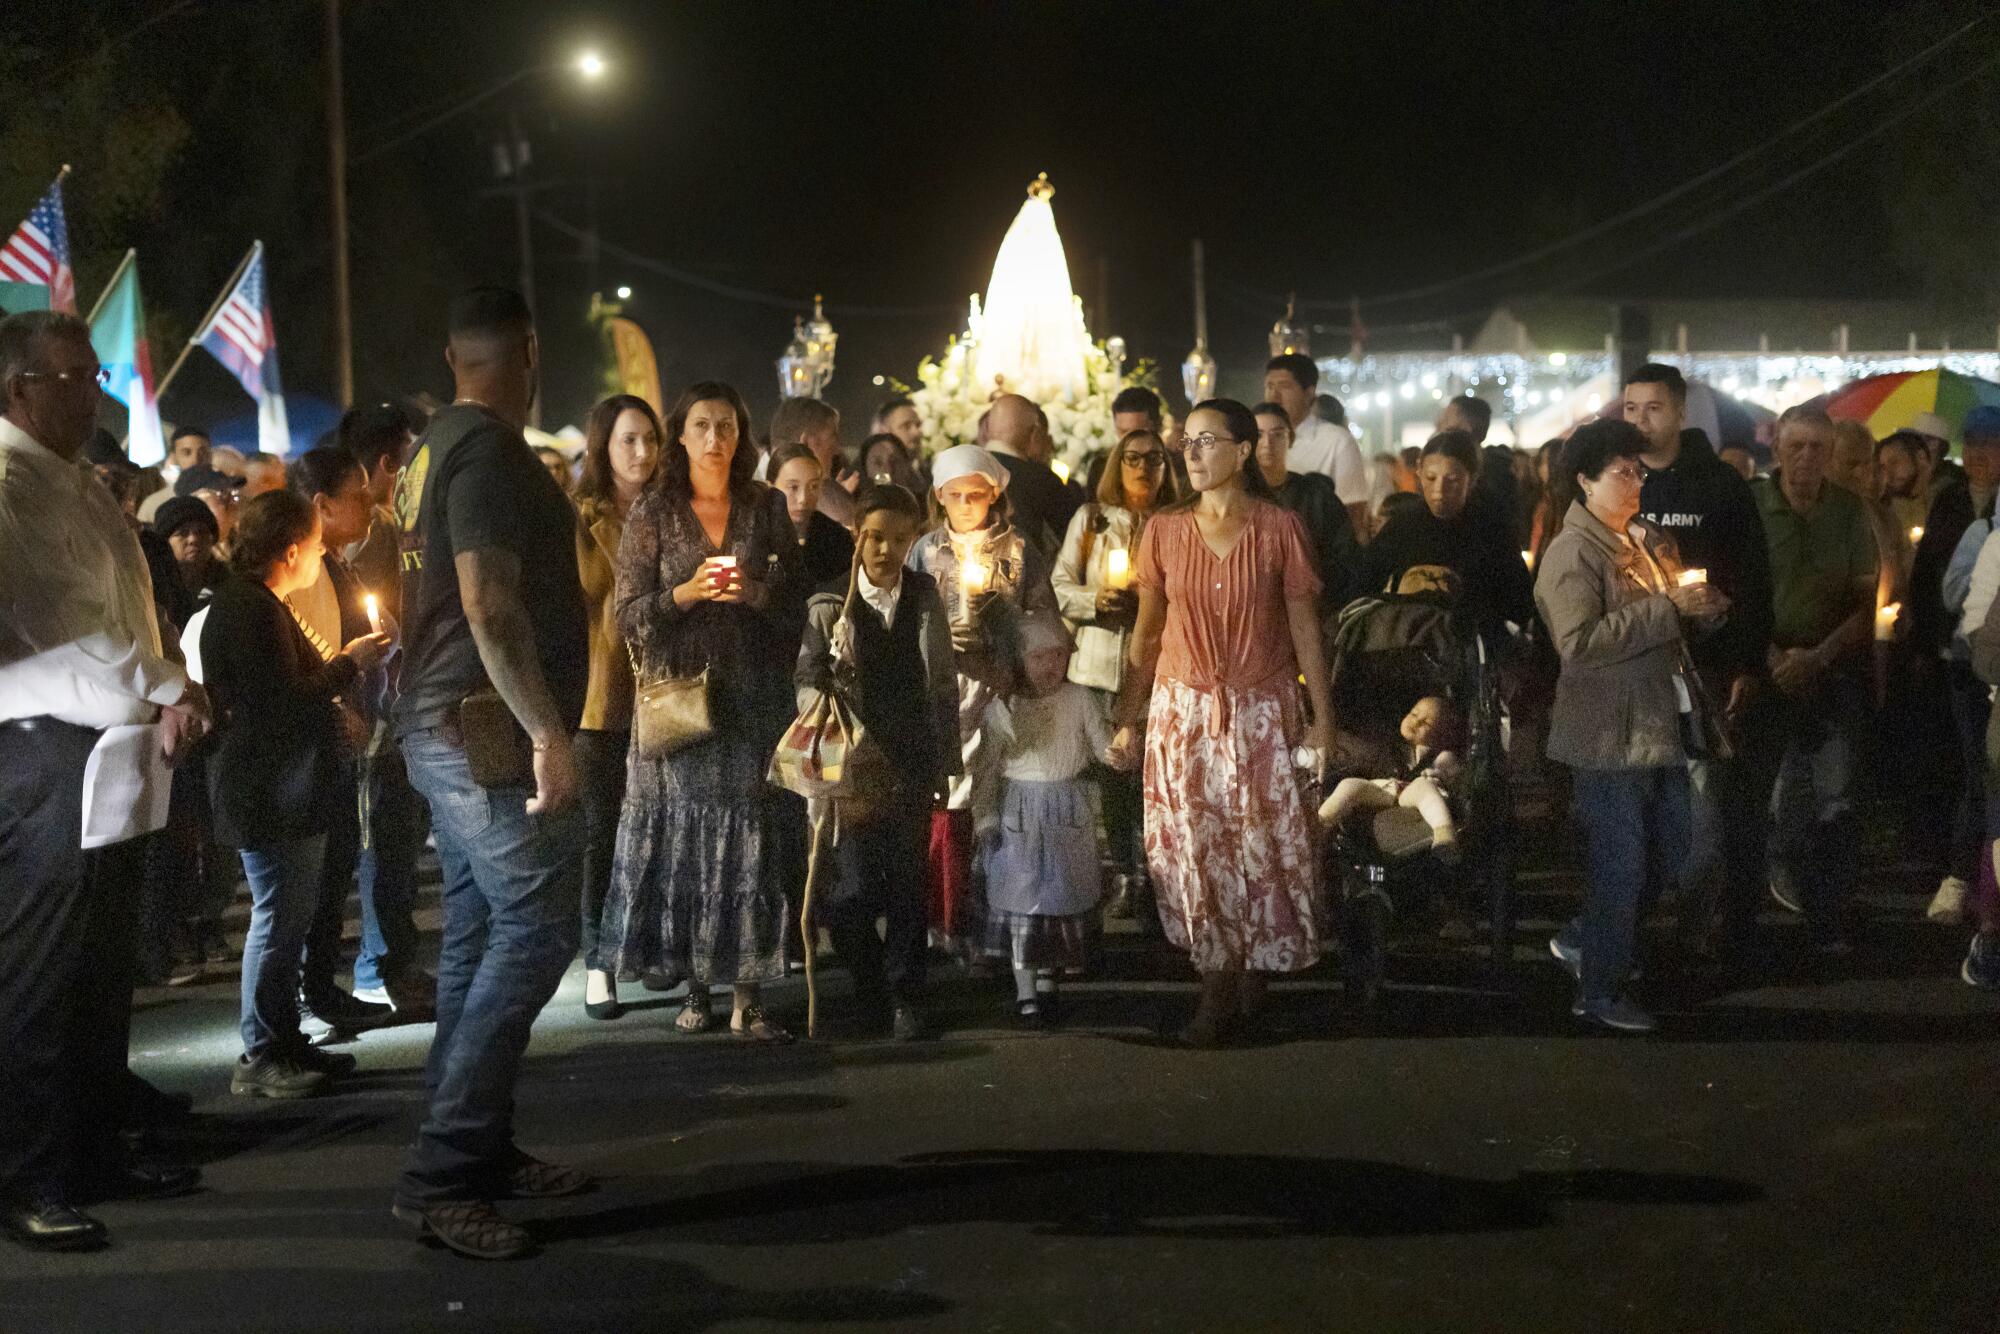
591	66
624	294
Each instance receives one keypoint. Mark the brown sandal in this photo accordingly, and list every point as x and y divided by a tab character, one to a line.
757	1028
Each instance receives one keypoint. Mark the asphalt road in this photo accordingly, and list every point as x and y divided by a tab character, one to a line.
1814	1151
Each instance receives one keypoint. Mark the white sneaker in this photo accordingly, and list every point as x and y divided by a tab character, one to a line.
1948	907
373	995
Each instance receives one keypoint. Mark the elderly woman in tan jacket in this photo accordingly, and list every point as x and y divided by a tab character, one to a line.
1626	707
621	450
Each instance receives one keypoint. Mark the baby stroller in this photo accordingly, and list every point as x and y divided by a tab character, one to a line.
1388	652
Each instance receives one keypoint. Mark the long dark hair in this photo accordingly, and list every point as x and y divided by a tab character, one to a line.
1243	428
267	527
597	482
672	477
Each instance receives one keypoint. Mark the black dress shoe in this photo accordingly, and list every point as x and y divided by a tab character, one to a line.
46	1221
149	1175
343	1009
604	1009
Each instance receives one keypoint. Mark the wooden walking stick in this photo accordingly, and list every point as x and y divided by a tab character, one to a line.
806	931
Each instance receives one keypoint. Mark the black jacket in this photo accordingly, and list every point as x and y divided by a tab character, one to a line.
1494	583
1705	507
1952	511
1311	496
277	770
1040	503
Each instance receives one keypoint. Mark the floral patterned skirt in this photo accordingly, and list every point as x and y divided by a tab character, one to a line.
697	881
1229	841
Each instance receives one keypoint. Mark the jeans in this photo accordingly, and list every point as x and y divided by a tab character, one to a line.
511	883
1971	703
1816	833
285	885
392	839
601	757
1636	834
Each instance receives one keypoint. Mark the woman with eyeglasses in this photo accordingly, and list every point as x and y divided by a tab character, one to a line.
1462	537
1226	627
1625	717
1093	586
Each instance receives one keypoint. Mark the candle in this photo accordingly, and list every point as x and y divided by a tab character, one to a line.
374	613
1916	534
1528	559
1885	621
972	576
1689	578
1061	470
1118	568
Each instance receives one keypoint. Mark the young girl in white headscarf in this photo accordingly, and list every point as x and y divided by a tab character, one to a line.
1038	840
987	575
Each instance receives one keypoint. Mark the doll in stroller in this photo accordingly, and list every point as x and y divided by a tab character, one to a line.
1418	805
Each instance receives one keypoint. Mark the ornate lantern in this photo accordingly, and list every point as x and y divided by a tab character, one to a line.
1288	336
795	371
1198	373
820	341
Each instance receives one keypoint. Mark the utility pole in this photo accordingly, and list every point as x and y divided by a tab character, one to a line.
336	162
512	159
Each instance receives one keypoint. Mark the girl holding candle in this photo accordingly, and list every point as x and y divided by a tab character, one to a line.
988	575
1092	582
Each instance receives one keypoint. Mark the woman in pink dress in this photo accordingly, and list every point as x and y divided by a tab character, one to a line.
1226	627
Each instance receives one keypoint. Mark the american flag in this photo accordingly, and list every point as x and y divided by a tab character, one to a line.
240	336
38	252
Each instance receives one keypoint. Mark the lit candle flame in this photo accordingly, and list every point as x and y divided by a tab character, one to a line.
1916	534
1689	578
374	612
1528	558
1885	620
973	576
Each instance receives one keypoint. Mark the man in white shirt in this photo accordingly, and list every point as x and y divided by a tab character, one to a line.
79	653
1292	382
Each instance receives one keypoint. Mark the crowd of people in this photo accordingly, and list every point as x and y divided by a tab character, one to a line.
1104	698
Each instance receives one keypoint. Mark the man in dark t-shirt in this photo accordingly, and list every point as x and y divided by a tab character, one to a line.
474	484
492	607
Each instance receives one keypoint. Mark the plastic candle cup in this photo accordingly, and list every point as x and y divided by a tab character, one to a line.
1689	578
1118	568
972	577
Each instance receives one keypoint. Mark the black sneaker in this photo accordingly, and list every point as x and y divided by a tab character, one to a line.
274	1075
344	1009
332	1064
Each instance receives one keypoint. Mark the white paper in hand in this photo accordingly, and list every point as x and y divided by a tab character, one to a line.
126	784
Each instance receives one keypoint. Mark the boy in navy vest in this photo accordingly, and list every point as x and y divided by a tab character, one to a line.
897	668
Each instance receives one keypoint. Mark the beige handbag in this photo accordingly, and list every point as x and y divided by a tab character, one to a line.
669	714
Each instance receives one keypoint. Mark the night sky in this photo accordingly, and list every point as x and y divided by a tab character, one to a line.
877	152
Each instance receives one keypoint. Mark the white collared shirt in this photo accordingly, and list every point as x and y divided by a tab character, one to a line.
1320	446
79	640
883	600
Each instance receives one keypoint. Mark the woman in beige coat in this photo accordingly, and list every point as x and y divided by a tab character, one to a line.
1625	708
621	450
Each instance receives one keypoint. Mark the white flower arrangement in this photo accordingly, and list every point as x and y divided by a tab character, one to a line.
951	404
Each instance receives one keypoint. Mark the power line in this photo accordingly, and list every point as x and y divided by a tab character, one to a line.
1658	202
743	294
1714	220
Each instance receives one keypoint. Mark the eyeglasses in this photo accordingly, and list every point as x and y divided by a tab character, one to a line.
1145	458
1635	473
97	376
1207	440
